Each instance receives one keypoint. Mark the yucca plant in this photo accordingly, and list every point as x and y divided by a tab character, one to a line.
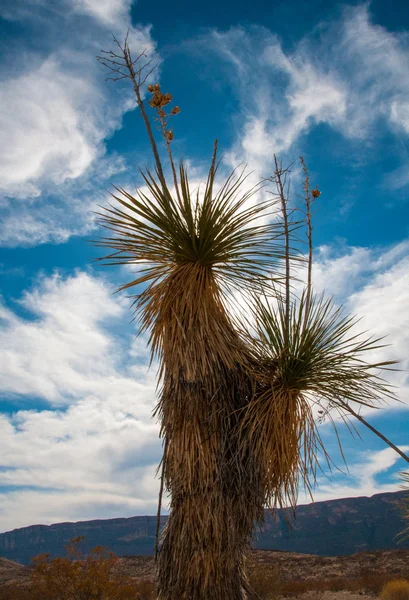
234	400
192	254
193	250
309	354
320	362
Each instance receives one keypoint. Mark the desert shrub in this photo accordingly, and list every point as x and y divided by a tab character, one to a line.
146	589
397	589
369	581
8	593
265	582
295	588
137	590
76	577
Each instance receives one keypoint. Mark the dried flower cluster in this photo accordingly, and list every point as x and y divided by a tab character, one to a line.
158	101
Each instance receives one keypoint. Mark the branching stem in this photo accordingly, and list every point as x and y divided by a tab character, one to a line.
124	65
306	187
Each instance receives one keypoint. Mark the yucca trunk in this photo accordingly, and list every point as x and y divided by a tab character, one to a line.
193	253
206	538
205	384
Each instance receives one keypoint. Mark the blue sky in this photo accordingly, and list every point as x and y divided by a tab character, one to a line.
329	81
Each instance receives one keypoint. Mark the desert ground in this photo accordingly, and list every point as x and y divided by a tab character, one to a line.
278	575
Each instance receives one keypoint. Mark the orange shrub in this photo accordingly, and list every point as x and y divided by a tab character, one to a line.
397	589
77	578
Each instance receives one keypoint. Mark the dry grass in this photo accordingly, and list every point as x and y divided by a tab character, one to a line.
268	584
139	590
397	589
265	582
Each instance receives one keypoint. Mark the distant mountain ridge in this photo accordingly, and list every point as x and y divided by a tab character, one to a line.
330	528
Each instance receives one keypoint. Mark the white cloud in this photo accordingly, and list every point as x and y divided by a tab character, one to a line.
312	95
377	63
339	274
363	478
372	284
95	452
64	352
29	507
54	218
109	12
44	132
54	122
382	304
281	95
400	114
56	113
351	77
28	225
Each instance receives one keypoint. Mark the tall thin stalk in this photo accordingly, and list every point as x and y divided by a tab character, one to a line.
162	481
306	187
360	418
159	101
283	200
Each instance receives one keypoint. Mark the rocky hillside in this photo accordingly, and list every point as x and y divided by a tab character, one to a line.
338	527
332	528
12	573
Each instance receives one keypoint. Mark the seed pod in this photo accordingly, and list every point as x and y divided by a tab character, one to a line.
156	100
166	98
